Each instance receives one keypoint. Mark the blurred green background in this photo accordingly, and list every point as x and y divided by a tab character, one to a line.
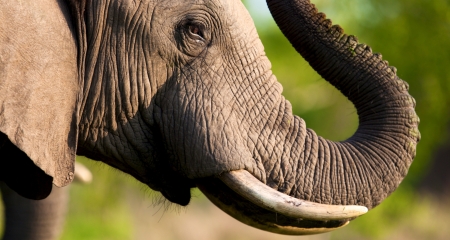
413	35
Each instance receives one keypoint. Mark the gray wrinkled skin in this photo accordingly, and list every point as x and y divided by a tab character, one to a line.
174	91
199	94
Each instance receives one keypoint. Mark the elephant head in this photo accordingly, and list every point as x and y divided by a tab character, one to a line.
180	94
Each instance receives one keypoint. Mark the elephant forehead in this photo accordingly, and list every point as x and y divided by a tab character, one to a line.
240	23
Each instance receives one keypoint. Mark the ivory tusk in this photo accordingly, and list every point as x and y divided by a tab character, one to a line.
82	173
246	185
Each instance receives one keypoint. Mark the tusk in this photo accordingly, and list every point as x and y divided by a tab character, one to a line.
243	210
249	187
82	173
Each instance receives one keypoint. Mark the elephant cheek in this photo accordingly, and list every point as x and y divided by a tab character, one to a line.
217	147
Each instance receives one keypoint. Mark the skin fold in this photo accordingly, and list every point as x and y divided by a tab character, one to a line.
176	92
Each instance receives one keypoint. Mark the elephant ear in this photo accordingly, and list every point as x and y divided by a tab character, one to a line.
39	89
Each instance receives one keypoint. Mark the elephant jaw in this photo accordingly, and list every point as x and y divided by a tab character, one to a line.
245	198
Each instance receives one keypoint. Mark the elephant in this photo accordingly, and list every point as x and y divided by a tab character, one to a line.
180	94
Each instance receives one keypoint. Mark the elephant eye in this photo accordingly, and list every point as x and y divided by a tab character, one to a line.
196	31
192	35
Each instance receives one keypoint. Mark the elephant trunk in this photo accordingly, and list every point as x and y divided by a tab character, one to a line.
367	167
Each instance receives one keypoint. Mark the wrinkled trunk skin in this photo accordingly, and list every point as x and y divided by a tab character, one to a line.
366	168
33	219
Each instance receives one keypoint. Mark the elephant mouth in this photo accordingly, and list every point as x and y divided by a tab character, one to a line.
248	200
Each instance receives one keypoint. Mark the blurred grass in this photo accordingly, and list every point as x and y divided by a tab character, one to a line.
98	210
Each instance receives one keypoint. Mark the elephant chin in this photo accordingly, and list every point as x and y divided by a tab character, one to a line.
246	199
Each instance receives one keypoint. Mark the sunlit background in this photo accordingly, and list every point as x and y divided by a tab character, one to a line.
413	35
